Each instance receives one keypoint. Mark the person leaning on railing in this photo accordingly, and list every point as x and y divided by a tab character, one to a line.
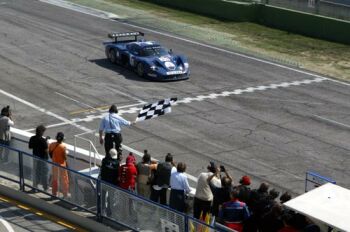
109	173
5	133
58	154
179	188
204	196
145	170
40	150
234	213
162	180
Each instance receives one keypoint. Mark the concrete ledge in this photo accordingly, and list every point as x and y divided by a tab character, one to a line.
54	210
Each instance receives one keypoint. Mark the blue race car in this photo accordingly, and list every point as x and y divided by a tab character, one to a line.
148	58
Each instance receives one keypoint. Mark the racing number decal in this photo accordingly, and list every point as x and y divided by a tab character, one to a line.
132	61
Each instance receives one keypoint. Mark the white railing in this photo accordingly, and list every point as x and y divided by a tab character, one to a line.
91	147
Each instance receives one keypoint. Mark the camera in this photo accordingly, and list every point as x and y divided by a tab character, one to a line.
222	168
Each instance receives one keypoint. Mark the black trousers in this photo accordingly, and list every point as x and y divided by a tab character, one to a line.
177	200
159	195
113	140
200	207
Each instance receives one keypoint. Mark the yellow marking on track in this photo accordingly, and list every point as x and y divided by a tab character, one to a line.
24	207
89	110
3	199
67	225
43	214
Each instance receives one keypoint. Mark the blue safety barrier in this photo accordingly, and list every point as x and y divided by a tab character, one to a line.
105	201
314	180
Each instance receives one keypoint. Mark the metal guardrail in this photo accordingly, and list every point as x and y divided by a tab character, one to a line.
92	149
100	198
314	180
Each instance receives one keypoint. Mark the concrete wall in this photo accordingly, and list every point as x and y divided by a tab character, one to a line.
288	20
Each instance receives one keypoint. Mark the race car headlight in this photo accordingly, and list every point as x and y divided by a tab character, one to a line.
186	65
153	67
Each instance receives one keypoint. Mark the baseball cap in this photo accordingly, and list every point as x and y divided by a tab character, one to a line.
113	152
245	180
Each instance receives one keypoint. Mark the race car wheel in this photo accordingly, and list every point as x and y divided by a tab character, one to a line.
112	56
140	70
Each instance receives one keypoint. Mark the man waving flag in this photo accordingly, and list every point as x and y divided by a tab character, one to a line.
156	109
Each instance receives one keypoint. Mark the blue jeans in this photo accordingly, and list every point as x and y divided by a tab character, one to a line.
40	173
4	152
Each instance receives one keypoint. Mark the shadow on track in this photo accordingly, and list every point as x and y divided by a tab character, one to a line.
126	72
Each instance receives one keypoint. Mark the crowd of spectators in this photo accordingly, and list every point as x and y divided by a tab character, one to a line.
236	206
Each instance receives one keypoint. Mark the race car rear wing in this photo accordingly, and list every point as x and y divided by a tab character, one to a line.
116	35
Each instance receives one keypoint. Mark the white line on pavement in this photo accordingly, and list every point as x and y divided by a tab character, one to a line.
110	88
332	121
132	109
7	225
74	100
67	121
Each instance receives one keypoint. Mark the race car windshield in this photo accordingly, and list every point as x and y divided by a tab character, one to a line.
154	51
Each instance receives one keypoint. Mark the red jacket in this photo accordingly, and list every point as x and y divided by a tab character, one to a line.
127	176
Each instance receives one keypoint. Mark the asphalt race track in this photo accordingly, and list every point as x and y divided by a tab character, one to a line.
268	121
21	220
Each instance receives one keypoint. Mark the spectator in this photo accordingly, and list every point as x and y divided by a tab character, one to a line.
244	189
111	126
273	194
144	175
270	201
234	212
5	134
257	202
128	173
258	199
271	222
58	153
287	219
110	167
162	180
285	197
311	228
179	188
221	194
204	196
41	153
109	173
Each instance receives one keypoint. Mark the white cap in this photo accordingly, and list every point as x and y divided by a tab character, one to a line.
113	152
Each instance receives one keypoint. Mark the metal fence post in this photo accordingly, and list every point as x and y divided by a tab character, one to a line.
21	171
98	200
186	223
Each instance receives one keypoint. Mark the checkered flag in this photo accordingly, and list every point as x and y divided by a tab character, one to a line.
156	109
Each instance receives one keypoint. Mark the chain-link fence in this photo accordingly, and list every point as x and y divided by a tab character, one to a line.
139	213
9	164
93	195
